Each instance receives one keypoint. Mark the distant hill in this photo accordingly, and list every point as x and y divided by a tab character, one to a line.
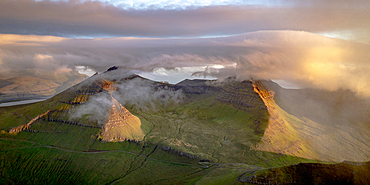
29	85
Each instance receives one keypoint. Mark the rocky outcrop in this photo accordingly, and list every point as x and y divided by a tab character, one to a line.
240	94
174	151
88	92
112	68
106	84
280	136
299	136
28	125
121	124
195	87
58	115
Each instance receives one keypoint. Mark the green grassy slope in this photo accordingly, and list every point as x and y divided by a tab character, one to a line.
204	139
311	173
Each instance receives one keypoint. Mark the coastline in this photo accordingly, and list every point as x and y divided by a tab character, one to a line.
22	102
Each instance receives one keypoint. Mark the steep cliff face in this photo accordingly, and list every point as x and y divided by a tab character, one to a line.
240	94
302	137
28	125
280	136
121	124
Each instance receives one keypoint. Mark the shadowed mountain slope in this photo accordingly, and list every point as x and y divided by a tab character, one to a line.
311	173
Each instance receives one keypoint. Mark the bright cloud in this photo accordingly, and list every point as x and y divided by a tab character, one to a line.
301	58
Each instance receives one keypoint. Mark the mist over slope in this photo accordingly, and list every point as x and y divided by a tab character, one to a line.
311	124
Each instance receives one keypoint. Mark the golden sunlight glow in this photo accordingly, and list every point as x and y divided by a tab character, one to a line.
33	40
324	62
42	57
217	66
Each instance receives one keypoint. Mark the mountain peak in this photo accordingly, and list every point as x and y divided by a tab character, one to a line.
112	68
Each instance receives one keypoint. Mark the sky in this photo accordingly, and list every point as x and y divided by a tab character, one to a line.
317	44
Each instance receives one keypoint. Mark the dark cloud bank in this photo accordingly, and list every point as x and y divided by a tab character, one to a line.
93	18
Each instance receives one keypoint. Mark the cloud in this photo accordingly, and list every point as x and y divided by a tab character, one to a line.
27	40
63	70
95	109
138	92
302	58
94	18
142	94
